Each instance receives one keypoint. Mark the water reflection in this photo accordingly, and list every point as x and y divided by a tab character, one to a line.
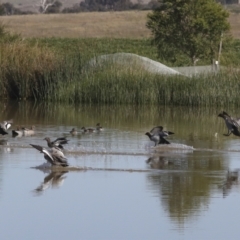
54	179
5	146
3	142
159	162
189	172
231	181
185	189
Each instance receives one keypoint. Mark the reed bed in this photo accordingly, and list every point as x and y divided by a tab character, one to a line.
136	86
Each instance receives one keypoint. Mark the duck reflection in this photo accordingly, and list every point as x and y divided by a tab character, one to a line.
158	162
4	146
54	179
3	142
231	180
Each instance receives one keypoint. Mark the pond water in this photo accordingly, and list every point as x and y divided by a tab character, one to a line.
132	190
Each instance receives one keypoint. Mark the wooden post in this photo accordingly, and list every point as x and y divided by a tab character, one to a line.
220	47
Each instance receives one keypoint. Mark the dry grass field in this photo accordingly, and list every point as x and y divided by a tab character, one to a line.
129	24
126	24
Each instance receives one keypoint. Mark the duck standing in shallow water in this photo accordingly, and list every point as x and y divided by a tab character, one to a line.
59	142
4	126
157	139
54	156
157	135
87	130
231	123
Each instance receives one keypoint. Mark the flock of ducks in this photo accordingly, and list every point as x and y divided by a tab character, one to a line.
98	128
55	156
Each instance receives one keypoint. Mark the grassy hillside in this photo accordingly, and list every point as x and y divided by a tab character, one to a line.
126	24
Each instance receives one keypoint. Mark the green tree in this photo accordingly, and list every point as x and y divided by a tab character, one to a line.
192	27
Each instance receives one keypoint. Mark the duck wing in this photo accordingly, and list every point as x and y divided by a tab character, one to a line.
231	120
165	133
236	132
6	124
156	130
237	120
61	140
3	131
47	155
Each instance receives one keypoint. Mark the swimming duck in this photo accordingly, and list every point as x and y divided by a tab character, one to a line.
54	156
99	128
29	131
231	123
4	126
88	130
73	132
18	132
56	143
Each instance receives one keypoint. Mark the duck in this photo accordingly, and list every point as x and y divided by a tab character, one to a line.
157	138
57	142
18	132
73	131
88	130
159	130
231	123
157	135
29	131
99	128
154	138
54	156
4	126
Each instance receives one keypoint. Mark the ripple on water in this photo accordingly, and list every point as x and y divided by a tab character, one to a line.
174	146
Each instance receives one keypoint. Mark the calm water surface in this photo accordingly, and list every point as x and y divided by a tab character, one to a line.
187	190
